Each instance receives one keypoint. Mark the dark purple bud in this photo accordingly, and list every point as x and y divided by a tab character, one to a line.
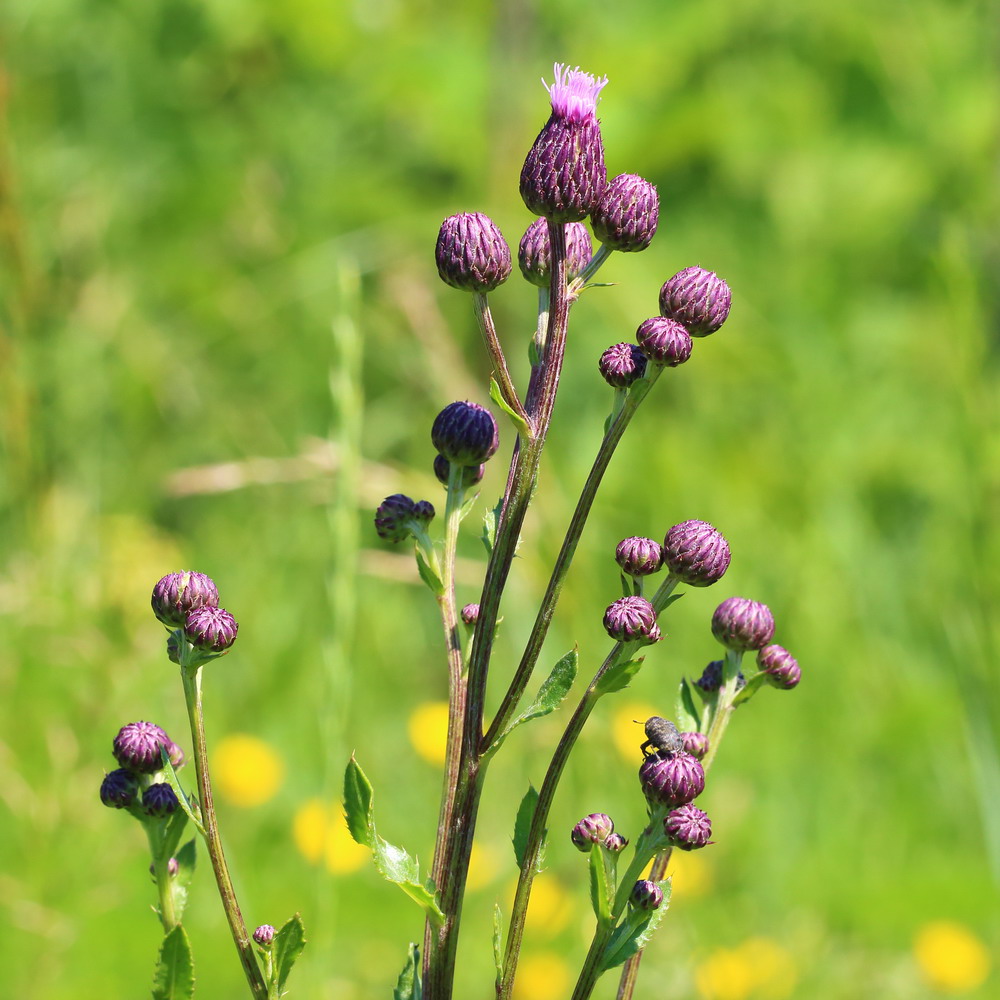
173	867
781	667
671	779
173	648
564	174
639	556
697	298
137	747
178	593
615	843
662	735
688	827
264	935
622	365
465	433
159	800
632	619
592	829
471	474
119	789
696	553
423	513
646	895
664	341
470	614
740	624
393	518
711	678
471	253
695	744
212	630
534	255
627	213
175	754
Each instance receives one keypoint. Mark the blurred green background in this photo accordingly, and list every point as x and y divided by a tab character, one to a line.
223	341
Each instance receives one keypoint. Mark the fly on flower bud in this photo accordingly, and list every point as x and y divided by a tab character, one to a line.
697	298
534	254
564	173
781	667
688	827
137	747
264	935
465	433
622	365
696	553
627	214
212	630
671	779
471	253
471	474
741	624
661	734
159	800
592	829
711	678
632	619
664	341
646	895
119	789
695	744
639	556
178	593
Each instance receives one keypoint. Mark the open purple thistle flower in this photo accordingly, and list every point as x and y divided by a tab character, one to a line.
627	214
564	173
534	254
471	253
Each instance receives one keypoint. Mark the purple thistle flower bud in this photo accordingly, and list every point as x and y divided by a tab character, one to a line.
159	800
671	779
173	867
639	556
615	843
688	827
695	744
175	755
696	553
470	614
534	254
741	624
393	518
465	433
781	667
423	513
711	678
627	214
664	341
471	474
212	630
119	789
137	747
646	895
471	253
264	935
178	593
564	174
592	829
697	298
622	365
631	619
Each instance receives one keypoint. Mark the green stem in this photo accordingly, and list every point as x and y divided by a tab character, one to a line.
630	971
161	872
489	331
191	677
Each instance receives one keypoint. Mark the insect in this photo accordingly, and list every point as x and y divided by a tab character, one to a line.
661	734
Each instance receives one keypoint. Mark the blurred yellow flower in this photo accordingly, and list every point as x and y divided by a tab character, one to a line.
758	967
483	866
549	908
246	771
320	832
541	976
691	874
951	958
628	736
428	730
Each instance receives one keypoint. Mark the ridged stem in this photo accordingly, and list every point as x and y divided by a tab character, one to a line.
489	331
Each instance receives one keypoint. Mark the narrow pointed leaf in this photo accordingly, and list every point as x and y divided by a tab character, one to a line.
171	778
490	519
601	887
522	825
287	946
754	684
619	676
358	804
173	978
427	574
516	419
182	881
408	984
686	712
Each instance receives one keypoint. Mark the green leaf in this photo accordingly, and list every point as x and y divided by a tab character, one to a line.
173	978
601	883
172	831
498	944
467	505
286	948
754	684
171	776
634	931
520	425
618	676
358	804
408	984
686	712
182	880
522	825
490	519
428	575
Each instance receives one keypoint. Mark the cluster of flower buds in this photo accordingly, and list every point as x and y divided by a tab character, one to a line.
398	517
693	551
597	828
190	602
133	785
534	253
711	678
